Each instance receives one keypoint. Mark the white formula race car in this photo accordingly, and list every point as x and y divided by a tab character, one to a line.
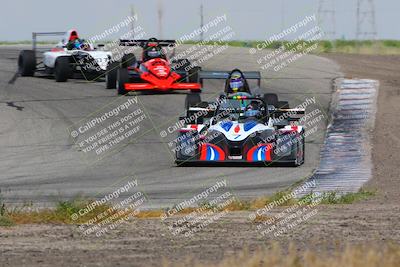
70	56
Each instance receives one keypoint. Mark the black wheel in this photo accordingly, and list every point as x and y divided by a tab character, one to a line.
192	100
128	60
304	148
111	75
194	74
271	99
27	62
62	69
122	79
300	148
283	104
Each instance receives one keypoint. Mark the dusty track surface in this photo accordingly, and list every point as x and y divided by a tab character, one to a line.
40	164
145	242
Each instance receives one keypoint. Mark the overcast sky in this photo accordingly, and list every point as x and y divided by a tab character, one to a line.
250	19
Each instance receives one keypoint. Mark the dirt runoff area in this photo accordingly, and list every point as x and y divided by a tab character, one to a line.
145	242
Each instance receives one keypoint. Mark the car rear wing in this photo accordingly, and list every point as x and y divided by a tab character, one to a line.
142	43
223	75
291	114
198	115
37	34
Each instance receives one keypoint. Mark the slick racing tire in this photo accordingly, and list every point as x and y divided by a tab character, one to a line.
181	64
192	100
27	63
128	60
300	147
111	75
283	104
271	99
62	69
122	78
194	74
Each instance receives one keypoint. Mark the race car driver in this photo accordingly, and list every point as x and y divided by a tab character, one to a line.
78	44
237	83
153	52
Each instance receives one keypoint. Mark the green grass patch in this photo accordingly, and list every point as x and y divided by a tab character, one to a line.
324	46
61	214
6	222
64	211
330	198
349	198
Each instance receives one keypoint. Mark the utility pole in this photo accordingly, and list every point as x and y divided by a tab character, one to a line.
282	15
366	27
327	18
201	21
160	17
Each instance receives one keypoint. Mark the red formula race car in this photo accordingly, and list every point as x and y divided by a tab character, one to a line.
154	72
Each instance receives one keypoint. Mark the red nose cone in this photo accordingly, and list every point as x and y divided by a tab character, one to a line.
161	71
237	128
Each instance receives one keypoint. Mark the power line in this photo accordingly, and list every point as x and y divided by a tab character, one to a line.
201	21
160	17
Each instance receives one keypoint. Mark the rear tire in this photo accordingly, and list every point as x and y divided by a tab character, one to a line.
128	60
192	100
62	69
180	64
122	79
27	63
300	161
271	99
194	74
111	75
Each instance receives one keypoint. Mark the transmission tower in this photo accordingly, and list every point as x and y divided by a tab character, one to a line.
327	18
366	27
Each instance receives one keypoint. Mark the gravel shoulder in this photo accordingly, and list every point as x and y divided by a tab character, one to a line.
146	242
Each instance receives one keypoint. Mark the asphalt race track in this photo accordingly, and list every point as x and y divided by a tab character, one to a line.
40	164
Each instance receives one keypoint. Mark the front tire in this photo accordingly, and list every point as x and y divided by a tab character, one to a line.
122	79
194	74
62	69
27	63
283	105
128	60
111	75
271	99
300	147
192	100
